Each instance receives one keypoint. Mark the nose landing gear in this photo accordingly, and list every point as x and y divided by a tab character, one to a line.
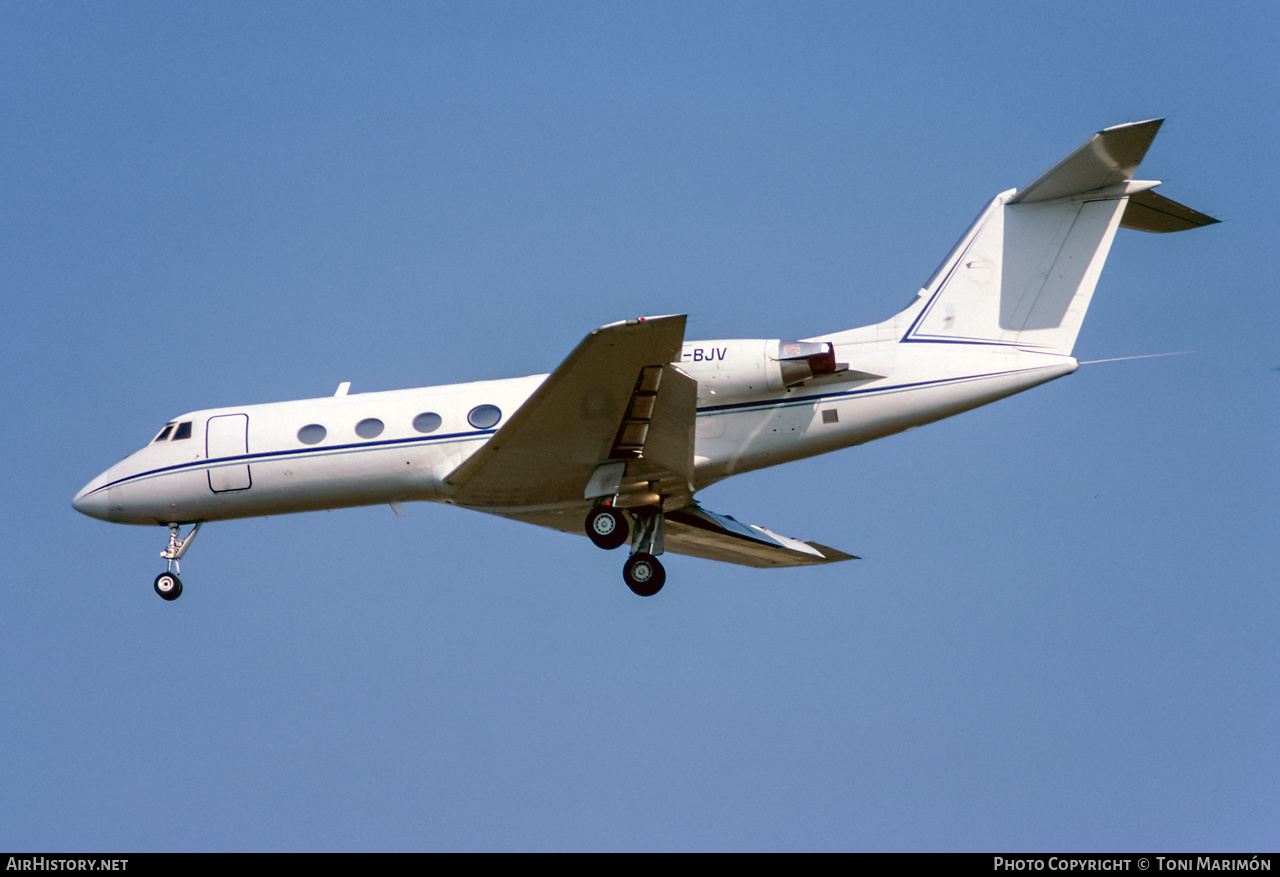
167	584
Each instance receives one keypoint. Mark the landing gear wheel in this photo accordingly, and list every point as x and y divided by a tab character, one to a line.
644	574
607	527
168	586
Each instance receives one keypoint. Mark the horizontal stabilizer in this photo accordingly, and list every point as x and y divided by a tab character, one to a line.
697	532
1111	156
1148	211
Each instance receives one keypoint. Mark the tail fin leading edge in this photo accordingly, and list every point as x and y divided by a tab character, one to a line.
1025	272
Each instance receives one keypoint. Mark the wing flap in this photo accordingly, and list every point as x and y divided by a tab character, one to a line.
660	469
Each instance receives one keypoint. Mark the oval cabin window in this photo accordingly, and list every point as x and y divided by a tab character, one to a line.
428	421
370	427
484	416
312	434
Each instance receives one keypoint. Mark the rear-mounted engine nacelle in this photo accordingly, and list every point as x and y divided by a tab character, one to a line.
727	369
800	360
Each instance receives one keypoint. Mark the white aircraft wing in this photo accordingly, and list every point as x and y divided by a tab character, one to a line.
547	451
697	532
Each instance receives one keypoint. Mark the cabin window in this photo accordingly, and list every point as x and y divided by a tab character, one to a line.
164	433
428	421
182	432
370	427
484	416
312	434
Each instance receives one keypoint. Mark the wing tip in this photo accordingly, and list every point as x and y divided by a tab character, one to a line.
1155	123
832	555
635	321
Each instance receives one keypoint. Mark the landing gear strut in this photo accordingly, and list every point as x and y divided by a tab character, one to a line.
167	584
643	572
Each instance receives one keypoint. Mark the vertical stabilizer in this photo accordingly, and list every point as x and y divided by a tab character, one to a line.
1025	272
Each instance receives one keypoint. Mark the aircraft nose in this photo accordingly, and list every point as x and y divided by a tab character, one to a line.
91	502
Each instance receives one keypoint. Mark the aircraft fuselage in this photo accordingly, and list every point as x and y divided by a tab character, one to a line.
253	460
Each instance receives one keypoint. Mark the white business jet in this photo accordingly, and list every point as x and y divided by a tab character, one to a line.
617	440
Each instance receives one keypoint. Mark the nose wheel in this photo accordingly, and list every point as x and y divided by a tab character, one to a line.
167	584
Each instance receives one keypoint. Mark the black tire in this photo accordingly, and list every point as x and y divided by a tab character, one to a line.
168	586
644	574
607	527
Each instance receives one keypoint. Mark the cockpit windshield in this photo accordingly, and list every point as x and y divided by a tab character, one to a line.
182	431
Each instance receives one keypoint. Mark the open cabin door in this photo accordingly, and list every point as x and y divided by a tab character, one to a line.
227	435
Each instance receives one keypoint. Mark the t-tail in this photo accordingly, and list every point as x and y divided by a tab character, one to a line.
1024	273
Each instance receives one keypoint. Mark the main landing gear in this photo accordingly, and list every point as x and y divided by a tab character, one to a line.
644	574
607	527
167	584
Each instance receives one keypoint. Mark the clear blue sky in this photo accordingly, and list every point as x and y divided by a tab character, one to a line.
1062	635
